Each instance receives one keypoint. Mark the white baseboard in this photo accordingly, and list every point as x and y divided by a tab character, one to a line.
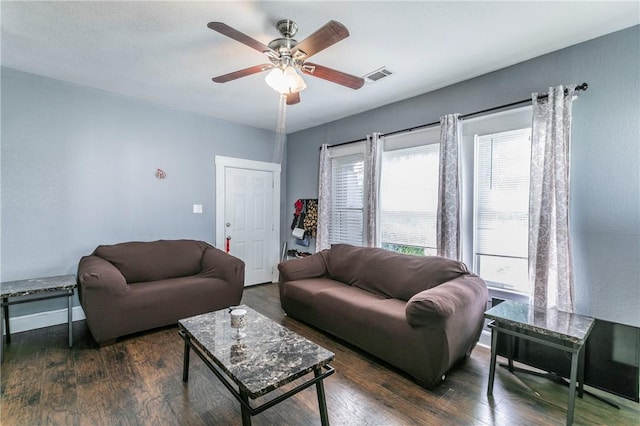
43	319
485	339
59	316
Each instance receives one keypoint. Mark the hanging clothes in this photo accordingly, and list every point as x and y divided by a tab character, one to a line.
298	216
305	221
311	217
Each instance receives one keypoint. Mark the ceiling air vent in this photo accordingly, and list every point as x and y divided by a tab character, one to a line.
377	74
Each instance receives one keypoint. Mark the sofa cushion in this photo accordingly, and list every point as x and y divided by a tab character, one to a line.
394	275
304	292
340	302
156	260
344	262
306	267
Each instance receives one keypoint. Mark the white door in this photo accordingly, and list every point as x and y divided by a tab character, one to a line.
248	215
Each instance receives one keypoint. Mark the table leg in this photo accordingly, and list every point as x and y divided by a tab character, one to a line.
185	360
581	352
572	387
246	415
510	345
2	334
322	401
7	331
492	364
70	318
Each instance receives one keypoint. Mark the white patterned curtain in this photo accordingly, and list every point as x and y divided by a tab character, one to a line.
324	199
448	216
371	181
550	266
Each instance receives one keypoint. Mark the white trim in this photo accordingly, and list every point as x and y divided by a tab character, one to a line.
504	121
240	163
485	339
343	151
44	319
221	164
59	316
428	136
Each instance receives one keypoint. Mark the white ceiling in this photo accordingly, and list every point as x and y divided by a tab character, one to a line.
163	52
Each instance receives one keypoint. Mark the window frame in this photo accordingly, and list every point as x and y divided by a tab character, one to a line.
402	142
477	255
514	119
357	148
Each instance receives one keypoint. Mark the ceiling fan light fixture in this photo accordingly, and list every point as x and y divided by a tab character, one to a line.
294	82
275	80
287	81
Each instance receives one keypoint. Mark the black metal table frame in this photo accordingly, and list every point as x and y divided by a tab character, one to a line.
576	350
242	395
5	313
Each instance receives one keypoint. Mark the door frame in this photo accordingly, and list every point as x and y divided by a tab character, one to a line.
221	164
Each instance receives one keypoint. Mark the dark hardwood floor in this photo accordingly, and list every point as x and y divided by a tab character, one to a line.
138	381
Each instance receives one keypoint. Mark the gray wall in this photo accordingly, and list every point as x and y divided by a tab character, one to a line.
605	169
78	170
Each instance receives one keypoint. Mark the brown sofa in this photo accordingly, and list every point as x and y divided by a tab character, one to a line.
135	286
420	314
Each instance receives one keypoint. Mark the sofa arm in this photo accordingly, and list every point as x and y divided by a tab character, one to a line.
313	266
218	264
467	292
96	275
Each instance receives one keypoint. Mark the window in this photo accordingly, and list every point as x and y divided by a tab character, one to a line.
495	200
495	156
501	208
347	198
409	199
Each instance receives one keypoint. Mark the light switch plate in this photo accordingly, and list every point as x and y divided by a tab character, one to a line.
197	208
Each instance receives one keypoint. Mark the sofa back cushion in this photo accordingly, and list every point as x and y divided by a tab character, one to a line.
155	260
344	262
394	275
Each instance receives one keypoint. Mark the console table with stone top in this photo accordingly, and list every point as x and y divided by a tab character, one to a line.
42	289
550	327
268	357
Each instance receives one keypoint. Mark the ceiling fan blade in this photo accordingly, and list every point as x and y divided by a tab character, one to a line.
327	35
293	98
224	29
242	73
332	75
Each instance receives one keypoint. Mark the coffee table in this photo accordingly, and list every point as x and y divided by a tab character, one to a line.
43	289
561	330
269	357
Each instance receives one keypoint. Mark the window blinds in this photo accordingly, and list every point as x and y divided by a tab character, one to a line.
502	206
347	200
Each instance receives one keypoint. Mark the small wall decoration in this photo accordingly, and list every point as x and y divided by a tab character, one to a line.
161	174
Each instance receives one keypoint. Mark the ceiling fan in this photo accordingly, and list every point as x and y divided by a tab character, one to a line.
286	56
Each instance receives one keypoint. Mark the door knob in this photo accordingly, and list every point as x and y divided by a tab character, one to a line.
227	224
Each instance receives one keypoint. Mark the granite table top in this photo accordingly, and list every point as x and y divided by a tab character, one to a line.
37	285
268	357
561	325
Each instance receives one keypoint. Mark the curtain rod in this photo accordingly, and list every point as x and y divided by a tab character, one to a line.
581	87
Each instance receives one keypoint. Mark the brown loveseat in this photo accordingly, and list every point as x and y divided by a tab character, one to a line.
420	314
135	286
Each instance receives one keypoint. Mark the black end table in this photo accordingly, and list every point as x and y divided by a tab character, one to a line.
557	329
42	289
